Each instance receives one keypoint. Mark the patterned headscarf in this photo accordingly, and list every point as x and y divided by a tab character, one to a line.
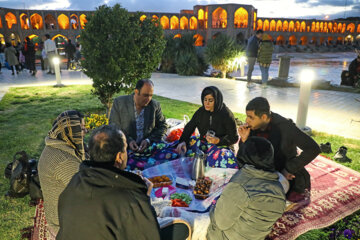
67	127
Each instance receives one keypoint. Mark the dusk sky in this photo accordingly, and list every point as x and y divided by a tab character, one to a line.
266	8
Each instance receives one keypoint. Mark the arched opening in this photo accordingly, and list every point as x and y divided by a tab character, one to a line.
330	27
285	26
35	39
36	21
350	28
155	18
339	28
308	28
199	40
83	21
241	18
313	27
254	20
322	40
259	24
219	18
266	25
177	36
216	35
349	39
280	40
358	28
291	26
292	40
201	18
343	28
340	40
335	28
63	21
303	27
2	39
50	22
272	25
74	21
24	21
321	27
330	40
303	40
240	38
184	23
358	38
1	26
297	26
279	26
193	23
317	27
14	39
142	17
10	19
174	22
313	41
164	21
325	27
60	42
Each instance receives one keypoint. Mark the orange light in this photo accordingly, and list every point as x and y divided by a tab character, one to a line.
241	18
10	19
36	21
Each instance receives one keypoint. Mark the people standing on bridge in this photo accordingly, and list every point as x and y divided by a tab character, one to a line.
51	52
264	57
29	52
10	57
2	55
251	53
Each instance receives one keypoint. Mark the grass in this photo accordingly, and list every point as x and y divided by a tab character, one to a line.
26	115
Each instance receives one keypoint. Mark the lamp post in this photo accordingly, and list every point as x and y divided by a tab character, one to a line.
306	77
56	61
242	66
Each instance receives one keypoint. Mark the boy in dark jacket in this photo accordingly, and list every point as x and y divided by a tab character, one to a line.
285	138
104	202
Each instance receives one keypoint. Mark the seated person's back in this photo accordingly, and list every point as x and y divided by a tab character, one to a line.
104	202
253	200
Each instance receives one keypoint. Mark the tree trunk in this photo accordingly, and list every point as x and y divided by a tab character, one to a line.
223	74
108	107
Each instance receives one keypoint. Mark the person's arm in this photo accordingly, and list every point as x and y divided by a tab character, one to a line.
231	136
115	117
189	128
160	125
230	206
310	149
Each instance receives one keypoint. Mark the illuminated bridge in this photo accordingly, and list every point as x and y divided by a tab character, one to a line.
203	22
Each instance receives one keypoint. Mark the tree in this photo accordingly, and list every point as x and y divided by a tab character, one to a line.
222	53
119	49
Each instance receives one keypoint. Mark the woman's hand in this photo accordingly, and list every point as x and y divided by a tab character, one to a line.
181	148
212	140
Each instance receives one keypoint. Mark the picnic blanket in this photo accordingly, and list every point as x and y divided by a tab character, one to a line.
335	194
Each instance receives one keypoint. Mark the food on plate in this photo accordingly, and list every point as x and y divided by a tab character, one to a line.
180	200
161	181
202	188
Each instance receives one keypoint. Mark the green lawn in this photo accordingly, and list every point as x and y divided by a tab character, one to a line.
26	115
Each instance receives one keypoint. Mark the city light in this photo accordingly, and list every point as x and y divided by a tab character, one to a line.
56	60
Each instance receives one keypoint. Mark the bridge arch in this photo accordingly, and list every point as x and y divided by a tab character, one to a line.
50	22
83	21
184	23
193	23
36	21
164	21
219	18
174	22
241	18
10	19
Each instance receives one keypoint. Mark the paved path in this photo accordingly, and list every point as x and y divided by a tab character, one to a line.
329	111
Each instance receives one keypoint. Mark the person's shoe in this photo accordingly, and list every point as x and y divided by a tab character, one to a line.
12	73
326	147
250	85
264	85
48	72
340	155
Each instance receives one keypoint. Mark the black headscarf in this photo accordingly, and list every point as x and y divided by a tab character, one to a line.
258	152
215	92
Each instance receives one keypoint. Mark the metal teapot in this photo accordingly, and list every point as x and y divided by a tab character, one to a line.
198	167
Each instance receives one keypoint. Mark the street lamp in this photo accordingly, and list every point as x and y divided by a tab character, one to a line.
242	66
306	77
56	61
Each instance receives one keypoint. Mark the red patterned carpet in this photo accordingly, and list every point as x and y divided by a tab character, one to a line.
335	194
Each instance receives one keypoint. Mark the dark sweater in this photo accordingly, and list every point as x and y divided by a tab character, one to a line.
222	122
106	203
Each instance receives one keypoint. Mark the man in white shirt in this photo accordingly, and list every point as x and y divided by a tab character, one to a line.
51	52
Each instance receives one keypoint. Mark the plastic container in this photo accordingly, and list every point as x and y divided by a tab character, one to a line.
202	188
161	181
